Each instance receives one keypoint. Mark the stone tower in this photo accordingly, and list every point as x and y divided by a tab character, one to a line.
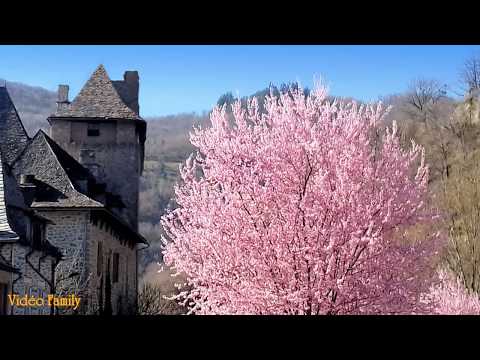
102	129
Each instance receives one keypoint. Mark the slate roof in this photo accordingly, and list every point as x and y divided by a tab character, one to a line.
71	166
13	215
6	232
99	98
55	173
13	136
18	218
124	93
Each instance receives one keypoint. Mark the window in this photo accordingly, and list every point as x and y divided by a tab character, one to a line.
116	260
3	298
126	278
36	233
99	259
93	132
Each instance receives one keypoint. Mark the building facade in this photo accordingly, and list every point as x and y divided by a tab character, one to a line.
82	183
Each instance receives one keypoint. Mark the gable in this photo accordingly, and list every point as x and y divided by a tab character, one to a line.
98	98
54	186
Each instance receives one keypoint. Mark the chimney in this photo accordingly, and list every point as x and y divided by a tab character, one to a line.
28	187
62	100
131	79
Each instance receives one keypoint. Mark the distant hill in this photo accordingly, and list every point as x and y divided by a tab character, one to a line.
167	146
34	104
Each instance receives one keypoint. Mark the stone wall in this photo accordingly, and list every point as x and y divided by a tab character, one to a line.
123	292
74	233
29	282
68	231
69	234
116	151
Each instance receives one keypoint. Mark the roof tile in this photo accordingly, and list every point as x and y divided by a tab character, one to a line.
13	136
46	160
98	98
6	232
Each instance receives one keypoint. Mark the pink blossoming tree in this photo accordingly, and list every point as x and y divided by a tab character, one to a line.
450	297
301	210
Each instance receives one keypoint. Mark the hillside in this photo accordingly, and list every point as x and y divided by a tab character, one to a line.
34	104
167	146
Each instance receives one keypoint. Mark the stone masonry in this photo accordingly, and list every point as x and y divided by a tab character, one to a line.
72	198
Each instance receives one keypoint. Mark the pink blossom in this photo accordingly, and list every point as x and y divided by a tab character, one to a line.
450	297
300	211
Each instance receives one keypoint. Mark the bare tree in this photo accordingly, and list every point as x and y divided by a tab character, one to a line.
460	199
462	203
423	95
426	115
470	74
152	300
157	290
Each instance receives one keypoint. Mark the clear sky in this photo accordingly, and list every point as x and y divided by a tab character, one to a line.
177	79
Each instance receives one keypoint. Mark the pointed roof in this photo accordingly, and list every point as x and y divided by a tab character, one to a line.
13	136
72	167
98	98
13	217
6	232
55	172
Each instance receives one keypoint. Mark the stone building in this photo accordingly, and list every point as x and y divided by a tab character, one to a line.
81	183
27	259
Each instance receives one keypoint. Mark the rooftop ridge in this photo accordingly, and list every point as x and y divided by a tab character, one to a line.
56	177
53	149
12	131
66	157
98	98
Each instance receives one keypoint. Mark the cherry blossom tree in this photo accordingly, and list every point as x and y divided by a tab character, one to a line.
451	297
303	209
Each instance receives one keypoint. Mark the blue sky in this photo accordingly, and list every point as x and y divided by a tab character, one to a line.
176	79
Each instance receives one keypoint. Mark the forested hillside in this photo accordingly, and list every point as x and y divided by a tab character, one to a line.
166	147
34	104
448	128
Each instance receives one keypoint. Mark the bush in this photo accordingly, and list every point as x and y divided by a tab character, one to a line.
156	287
